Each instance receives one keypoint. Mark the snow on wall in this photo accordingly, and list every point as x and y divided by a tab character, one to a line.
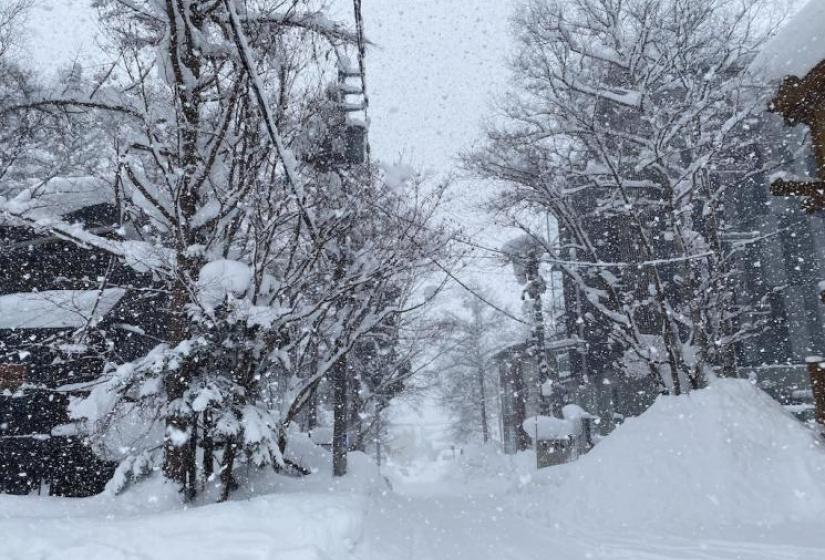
56	309
797	47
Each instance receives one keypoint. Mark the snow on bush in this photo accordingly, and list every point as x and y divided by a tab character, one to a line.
725	455
221	278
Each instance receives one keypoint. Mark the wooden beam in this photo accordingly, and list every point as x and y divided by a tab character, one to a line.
812	191
799	100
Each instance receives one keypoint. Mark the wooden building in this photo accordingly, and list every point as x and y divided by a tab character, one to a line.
65	312
795	58
519	390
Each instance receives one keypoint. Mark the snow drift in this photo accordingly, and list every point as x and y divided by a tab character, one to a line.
270	517
725	455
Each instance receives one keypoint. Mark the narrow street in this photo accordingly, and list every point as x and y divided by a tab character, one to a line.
433	521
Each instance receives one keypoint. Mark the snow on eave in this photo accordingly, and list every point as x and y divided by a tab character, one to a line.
56	309
61	196
796	48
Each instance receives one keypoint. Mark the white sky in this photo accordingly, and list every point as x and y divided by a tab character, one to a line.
432	71
433	67
431	74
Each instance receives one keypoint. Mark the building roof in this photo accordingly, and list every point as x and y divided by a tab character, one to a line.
61	196
56	309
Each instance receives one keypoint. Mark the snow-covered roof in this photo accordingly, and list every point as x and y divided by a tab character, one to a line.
60	196
550	428
797	47
56	309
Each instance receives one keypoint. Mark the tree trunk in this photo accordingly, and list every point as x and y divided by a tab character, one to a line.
523	439
208	444
178	458
227	478
340	417
485	431
312	410
355	425
534	291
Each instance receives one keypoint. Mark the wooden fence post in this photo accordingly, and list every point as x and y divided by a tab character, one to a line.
816	371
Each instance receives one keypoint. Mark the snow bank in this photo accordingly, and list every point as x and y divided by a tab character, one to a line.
726	455
271	517
798	46
297	526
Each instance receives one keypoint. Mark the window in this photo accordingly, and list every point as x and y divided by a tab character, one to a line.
563	364
12	376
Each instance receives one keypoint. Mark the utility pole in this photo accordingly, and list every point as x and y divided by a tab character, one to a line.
535	288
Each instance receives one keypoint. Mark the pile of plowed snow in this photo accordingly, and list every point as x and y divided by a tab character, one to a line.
725	455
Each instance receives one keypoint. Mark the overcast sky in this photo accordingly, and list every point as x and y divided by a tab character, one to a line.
431	72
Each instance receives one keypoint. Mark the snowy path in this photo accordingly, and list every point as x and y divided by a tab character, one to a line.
431	522
436	519
698	478
426	522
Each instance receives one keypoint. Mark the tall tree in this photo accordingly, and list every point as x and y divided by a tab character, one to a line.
263	256
628	124
468	376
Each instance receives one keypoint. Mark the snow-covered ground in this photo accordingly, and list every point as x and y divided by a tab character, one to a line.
723	474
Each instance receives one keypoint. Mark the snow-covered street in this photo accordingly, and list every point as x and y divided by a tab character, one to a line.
735	478
435	526
412	280
421	521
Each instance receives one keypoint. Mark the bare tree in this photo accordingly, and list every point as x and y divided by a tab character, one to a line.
265	254
627	124
12	18
468	376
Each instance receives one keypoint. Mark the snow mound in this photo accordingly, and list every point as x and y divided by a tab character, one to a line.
725	455
295	526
